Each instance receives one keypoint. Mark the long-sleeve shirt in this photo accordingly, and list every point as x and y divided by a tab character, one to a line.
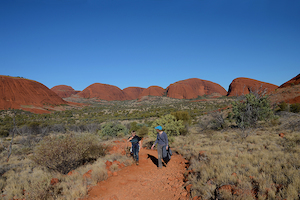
161	139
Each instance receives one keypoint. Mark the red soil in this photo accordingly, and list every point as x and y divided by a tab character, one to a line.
64	91
242	86
144	181
292	82
104	92
153	91
192	88
133	92
17	92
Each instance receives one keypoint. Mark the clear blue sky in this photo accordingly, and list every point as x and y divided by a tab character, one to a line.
149	42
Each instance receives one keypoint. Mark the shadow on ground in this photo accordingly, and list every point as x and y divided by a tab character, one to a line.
155	160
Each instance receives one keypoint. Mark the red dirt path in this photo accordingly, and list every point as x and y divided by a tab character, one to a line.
144	181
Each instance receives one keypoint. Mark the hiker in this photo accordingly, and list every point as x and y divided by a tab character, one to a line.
136	144
162	142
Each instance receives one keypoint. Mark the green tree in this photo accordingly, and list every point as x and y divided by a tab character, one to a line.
170	125
113	129
253	108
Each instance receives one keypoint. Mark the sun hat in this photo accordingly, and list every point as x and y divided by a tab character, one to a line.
158	127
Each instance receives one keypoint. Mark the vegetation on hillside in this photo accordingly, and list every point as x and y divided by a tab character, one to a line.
209	133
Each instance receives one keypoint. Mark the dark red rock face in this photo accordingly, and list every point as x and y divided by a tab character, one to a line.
292	82
133	92
192	88
104	92
153	91
242	86
64	91
15	92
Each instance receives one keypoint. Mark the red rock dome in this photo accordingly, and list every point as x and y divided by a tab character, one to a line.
64	91
133	92
293	81
153	91
192	88
15	92
242	86
104	92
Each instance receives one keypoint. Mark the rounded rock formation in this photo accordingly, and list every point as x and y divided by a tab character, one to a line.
64	91
242	86
104	92
193	88
153	91
133	92
16	92
292	82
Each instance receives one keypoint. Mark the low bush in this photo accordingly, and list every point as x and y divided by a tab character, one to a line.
255	107
283	106
295	108
65	153
113	130
169	124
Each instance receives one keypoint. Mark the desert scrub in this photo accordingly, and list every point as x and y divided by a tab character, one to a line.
34	183
111	129
67	152
170	125
251	109
258	167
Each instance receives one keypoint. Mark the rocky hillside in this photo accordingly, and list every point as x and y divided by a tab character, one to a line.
133	92
64	91
292	82
153	91
288	92
242	86
104	92
192	88
18	92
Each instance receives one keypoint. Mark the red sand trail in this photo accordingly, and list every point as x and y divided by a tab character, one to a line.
144	181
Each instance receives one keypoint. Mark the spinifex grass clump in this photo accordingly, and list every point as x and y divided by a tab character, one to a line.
67	152
227	166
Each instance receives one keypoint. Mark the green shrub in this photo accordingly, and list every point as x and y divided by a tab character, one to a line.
295	108
133	126
283	106
182	115
66	153
143	131
253	108
113	130
170	125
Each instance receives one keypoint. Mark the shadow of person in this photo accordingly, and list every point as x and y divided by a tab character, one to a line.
166	160
154	160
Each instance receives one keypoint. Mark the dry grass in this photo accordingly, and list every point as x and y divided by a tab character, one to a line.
22	178
260	166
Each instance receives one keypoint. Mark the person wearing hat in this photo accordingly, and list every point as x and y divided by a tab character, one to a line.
161	141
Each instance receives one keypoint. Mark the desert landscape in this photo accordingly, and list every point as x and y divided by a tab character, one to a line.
60	143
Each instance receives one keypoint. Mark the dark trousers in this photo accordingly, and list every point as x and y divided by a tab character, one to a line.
135	152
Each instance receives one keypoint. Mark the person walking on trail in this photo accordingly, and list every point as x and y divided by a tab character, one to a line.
135	145
161	141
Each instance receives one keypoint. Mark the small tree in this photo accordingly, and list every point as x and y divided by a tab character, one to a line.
253	108
113	129
170	125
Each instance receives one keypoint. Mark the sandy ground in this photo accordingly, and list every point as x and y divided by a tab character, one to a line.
145	181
